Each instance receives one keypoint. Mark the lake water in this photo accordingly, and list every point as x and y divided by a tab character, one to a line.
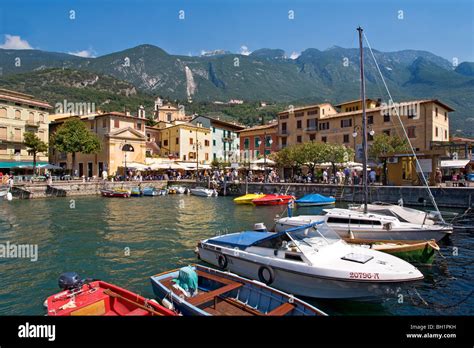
125	241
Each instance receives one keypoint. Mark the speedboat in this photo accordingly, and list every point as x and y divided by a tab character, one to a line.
203	192
98	298
150	191
273	199
354	224
309	260
315	199
199	290
178	189
115	193
248	198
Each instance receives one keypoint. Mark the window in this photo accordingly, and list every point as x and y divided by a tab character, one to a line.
346	138
104	123
298	124
18	114
411	132
346	123
445	116
257	141
3	113
369	137
283	142
445	134
169	117
214	156
191	141
267	152
386	117
165	142
311	124
411	113
148	136
3	149
268	141
387	131
17	134
3	133
324	139
214	129
312	137
370	119
283	128
31	117
436	131
206	142
284	116
323	125
139	126
206	156
436	112
17	151
313	112
177	141
213	142
298	139
41	117
117	123
246	143
299	114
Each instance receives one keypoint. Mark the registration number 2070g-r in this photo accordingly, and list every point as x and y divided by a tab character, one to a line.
363	275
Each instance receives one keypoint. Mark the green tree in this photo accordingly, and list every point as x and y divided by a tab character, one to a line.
74	137
34	146
384	145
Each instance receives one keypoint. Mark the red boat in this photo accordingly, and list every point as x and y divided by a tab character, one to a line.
273	199
98	298
115	193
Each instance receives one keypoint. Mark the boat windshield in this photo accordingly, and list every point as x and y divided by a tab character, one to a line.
316	236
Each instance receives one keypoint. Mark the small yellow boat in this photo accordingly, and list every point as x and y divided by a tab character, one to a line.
248	198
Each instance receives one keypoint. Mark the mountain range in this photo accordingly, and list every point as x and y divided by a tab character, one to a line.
143	72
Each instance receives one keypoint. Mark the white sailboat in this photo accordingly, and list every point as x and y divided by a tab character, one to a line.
204	192
389	222
310	260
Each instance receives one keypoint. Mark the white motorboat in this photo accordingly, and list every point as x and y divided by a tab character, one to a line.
179	189
349	223
310	260
204	192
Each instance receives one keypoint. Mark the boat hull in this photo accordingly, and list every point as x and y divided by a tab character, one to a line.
202	193
301	284
248	198
272	200
116	194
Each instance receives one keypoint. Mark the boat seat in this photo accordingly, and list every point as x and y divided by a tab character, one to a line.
208	296
282	310
138	312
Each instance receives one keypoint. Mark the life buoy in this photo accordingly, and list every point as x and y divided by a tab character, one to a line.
266	275
222	261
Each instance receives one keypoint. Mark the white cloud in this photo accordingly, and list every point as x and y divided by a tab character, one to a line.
14	42
294	55
244	50
84	53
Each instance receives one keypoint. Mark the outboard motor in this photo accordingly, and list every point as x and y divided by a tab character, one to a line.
69	281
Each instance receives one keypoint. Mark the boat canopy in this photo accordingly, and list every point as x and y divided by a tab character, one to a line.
241	239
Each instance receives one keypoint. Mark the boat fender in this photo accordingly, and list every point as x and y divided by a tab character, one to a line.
222	261
263	271
167	304
9	196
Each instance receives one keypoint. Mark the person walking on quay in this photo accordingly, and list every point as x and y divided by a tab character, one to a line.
372	177
325	176
438	177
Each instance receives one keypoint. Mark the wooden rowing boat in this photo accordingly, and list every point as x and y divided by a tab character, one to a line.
412	251
99	298
115	193
217	293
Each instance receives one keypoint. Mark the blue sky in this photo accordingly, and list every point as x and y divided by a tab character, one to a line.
103	26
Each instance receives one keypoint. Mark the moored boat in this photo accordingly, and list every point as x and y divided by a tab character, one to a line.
136	192
422	252
248	198
115	193
272	199
98	298
203	192
150	191
315	199
199	290
310	260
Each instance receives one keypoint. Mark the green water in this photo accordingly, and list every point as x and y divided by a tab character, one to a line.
124	241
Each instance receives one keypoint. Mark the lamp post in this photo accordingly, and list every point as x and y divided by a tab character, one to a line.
356	131
196	147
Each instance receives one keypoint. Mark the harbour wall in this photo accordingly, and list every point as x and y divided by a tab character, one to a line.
456	197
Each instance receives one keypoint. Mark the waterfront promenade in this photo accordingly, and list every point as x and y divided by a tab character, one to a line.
456	197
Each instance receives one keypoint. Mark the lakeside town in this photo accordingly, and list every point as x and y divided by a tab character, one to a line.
319	143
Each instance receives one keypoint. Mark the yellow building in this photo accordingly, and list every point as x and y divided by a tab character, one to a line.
20	113
183	141
425	121
168	112
114	130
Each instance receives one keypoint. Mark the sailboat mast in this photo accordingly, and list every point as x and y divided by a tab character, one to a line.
364	121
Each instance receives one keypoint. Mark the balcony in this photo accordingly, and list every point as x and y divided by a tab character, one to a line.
283	133
30	123
311	129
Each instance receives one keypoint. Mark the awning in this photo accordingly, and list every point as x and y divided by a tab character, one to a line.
18	164
454	163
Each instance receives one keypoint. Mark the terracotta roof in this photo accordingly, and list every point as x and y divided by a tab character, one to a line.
225	123
265	126
305	107
22	98
354	101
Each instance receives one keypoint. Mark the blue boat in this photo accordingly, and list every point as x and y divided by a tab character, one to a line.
202	291
150	191
313	199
